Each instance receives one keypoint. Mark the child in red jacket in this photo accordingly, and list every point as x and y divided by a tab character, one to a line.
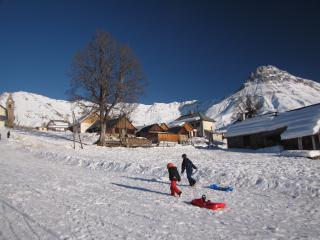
174	177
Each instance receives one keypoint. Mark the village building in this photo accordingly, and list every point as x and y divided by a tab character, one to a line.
295	130
10	111
218	135
120	126
58	125
151	132
85	122
164	126
175	133
156	134
42	128
3	116
203	126
7	113
183	129
120	132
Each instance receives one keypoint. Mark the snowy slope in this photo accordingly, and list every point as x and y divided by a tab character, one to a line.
33	110
49	190
277	90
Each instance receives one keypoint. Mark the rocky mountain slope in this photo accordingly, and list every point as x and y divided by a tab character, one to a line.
273	89
270	88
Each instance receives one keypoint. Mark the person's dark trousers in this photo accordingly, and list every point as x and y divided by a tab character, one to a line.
191	181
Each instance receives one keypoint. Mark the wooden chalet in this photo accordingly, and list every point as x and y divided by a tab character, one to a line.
184	131
164	126
297	129
120	126
156	134
166	133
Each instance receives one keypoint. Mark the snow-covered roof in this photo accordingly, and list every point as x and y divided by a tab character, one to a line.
58	123
147	128
250	126
176	124
82	118
195	117
299	122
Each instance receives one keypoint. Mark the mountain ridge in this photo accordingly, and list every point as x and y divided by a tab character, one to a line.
272	88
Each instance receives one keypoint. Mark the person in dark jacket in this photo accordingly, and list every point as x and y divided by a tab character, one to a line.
8	134
174	177
188	166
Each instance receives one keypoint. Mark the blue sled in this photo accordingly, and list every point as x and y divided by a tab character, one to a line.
225	189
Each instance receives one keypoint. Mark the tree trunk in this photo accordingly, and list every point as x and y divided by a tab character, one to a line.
102	140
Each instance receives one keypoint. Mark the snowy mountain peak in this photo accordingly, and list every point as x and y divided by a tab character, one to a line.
274	89
270	73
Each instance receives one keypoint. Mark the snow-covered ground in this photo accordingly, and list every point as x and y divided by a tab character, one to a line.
48	190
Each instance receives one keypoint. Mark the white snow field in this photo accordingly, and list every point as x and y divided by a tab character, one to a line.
48	190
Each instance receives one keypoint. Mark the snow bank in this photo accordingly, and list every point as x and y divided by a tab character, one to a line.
122	193
265	168
301	153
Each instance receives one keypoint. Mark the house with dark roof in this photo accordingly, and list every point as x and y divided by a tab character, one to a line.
155	133
297	129
166	133
203	125
120	126
184	130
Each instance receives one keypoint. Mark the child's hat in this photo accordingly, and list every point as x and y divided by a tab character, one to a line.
169	165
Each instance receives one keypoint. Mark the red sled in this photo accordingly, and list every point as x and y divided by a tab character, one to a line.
207	204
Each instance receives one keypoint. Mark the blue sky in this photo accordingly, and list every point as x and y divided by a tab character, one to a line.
189	50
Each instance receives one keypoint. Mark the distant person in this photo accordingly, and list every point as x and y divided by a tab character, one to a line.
0	136
188	166
8	134
174	177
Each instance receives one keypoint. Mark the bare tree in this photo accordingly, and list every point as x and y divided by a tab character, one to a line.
247	106
105	74
249	101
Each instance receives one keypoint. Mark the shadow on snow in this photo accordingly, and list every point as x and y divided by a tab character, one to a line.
140	189
154	181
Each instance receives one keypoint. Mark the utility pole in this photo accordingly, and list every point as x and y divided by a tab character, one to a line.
75	132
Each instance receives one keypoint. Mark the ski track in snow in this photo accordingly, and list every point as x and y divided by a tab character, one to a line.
50	191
